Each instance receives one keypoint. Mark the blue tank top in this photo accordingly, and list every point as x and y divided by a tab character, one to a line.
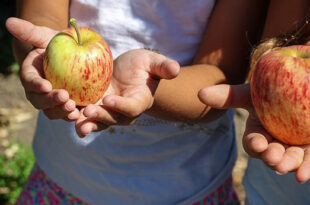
153	161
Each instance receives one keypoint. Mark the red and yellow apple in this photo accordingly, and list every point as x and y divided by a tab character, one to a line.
280	91
79	60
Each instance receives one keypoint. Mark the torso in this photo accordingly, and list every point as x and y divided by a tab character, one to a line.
145	162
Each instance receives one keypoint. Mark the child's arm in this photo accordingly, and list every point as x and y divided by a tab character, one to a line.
53	14
222	57
284	16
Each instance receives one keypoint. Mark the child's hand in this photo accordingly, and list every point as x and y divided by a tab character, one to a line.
55	103
256	141
135	78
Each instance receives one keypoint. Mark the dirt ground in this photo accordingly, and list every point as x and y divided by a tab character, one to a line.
241	164
18	121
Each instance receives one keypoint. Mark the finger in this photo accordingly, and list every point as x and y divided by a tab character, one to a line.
78	124
106	116
31	73
256	138
74	115
131	106
225	96
25	31
100	114
48	100
274	154
90	126
254	144
303	172
33	82
162	67
61	111
84	126
291	160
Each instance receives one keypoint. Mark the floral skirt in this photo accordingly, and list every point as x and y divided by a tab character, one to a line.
41	190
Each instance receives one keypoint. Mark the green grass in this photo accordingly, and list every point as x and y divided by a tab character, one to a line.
16	163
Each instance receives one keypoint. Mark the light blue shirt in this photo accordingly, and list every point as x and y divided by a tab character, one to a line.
150	163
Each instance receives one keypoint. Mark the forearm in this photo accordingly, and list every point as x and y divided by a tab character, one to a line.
222	57
285	16
177	100
52	14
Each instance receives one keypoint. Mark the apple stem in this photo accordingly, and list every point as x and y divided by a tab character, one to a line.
73	23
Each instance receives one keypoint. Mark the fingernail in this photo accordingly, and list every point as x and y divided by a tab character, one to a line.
272	165
278	173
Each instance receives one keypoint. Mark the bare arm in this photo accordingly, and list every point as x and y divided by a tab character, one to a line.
53	14
222	57
284	15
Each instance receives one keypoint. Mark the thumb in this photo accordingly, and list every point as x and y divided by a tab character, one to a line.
225	96
165	68
37	36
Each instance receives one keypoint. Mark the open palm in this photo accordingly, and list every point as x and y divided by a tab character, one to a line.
256	140
136	75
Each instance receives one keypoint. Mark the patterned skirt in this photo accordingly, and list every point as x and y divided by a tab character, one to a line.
41	190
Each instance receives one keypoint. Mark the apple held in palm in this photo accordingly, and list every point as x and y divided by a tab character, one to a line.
280	91
79	61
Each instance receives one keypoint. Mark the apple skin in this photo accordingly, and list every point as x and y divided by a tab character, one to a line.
280	91
84	70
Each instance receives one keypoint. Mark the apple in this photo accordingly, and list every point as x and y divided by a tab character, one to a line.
79	60
280	91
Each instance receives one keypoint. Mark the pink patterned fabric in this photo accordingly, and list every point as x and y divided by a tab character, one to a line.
224	195
41	190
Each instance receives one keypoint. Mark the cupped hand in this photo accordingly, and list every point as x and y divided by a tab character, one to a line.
256	141
136	75
54	102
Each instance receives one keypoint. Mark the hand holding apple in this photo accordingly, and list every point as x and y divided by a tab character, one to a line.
280	89
55	103
257	142
79	61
